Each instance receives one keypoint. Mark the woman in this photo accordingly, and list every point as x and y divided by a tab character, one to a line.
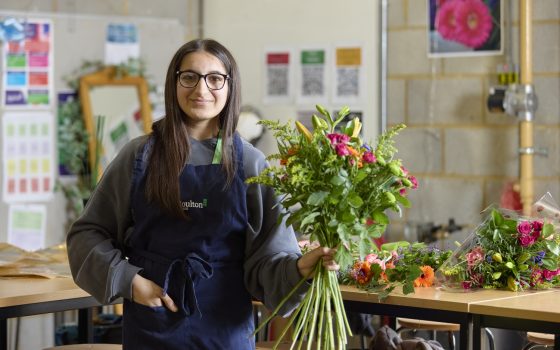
174	230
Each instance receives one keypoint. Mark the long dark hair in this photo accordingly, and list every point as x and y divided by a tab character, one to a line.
171	146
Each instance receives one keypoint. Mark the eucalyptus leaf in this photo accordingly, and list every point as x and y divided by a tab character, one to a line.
553	247
355	200
317	198
547	229
309	218
380	217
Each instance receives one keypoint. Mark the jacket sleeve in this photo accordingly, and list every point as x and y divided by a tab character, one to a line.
96	238
272	250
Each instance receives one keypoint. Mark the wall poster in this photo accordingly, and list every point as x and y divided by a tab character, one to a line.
464	28
27	65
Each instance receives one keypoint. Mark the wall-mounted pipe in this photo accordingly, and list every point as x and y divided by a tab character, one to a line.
383	18
526	121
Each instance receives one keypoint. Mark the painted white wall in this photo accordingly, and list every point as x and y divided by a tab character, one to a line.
80	36
249	27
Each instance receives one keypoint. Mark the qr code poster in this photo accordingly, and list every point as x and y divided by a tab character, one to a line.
348	75
311	82
278	76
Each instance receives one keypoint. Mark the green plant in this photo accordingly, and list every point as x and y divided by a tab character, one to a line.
73	137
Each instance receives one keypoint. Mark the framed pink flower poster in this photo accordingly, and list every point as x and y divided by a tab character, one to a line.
465	28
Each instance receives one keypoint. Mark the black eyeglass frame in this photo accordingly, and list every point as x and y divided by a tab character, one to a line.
201	76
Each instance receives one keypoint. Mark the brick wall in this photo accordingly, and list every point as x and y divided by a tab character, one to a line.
461	154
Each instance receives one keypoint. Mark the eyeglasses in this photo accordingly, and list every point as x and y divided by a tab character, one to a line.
214	81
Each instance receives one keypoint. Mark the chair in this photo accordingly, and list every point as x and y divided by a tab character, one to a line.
414	325
87	347
539	340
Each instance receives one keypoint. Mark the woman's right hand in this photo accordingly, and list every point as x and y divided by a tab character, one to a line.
148	293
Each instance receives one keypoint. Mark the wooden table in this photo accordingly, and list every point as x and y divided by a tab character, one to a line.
534	312
434	304
32	296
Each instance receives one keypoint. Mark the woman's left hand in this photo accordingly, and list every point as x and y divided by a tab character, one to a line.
306	263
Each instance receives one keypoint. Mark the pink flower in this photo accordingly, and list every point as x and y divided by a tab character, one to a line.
537	225
526	240
446	22
414	182
404	170
369	157
524	227
548	275
473	22
475	256
466	285
341	149
373	259
338	138
370	258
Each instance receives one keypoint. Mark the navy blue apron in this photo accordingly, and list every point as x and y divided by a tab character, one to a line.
198	262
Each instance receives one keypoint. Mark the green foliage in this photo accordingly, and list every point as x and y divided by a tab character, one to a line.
331	184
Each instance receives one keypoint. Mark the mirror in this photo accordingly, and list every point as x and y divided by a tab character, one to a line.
123	101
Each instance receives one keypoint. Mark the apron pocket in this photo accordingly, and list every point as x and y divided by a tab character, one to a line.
152	318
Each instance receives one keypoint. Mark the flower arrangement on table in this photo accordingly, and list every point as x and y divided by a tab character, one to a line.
507	251
396	263
335	189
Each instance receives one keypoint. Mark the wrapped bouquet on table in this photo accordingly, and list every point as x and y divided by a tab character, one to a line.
508	251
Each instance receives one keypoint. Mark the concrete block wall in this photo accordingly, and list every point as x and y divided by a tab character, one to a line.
461	154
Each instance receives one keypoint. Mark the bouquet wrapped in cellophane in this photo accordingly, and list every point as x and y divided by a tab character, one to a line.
508	251
334	188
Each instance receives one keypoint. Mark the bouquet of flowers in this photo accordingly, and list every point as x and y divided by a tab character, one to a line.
508	251
334	188
397	263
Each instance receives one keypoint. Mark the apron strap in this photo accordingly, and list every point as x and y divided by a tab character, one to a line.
217	159
191	267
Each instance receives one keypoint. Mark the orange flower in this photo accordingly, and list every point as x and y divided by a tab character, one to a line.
292	151
352	151
427	277
362	272
388	265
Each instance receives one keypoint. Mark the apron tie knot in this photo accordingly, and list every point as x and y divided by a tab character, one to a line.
192	268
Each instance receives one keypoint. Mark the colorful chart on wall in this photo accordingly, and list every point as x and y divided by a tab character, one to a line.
464	28
28	156
27	64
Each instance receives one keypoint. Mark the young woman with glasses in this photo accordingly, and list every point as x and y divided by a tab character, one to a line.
174	230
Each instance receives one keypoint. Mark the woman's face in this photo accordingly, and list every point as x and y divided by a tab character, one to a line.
199	103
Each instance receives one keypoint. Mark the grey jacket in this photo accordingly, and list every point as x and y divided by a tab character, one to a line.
98	237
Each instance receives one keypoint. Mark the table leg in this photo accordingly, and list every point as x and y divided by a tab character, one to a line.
85	325
3	334
464	333
477	330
